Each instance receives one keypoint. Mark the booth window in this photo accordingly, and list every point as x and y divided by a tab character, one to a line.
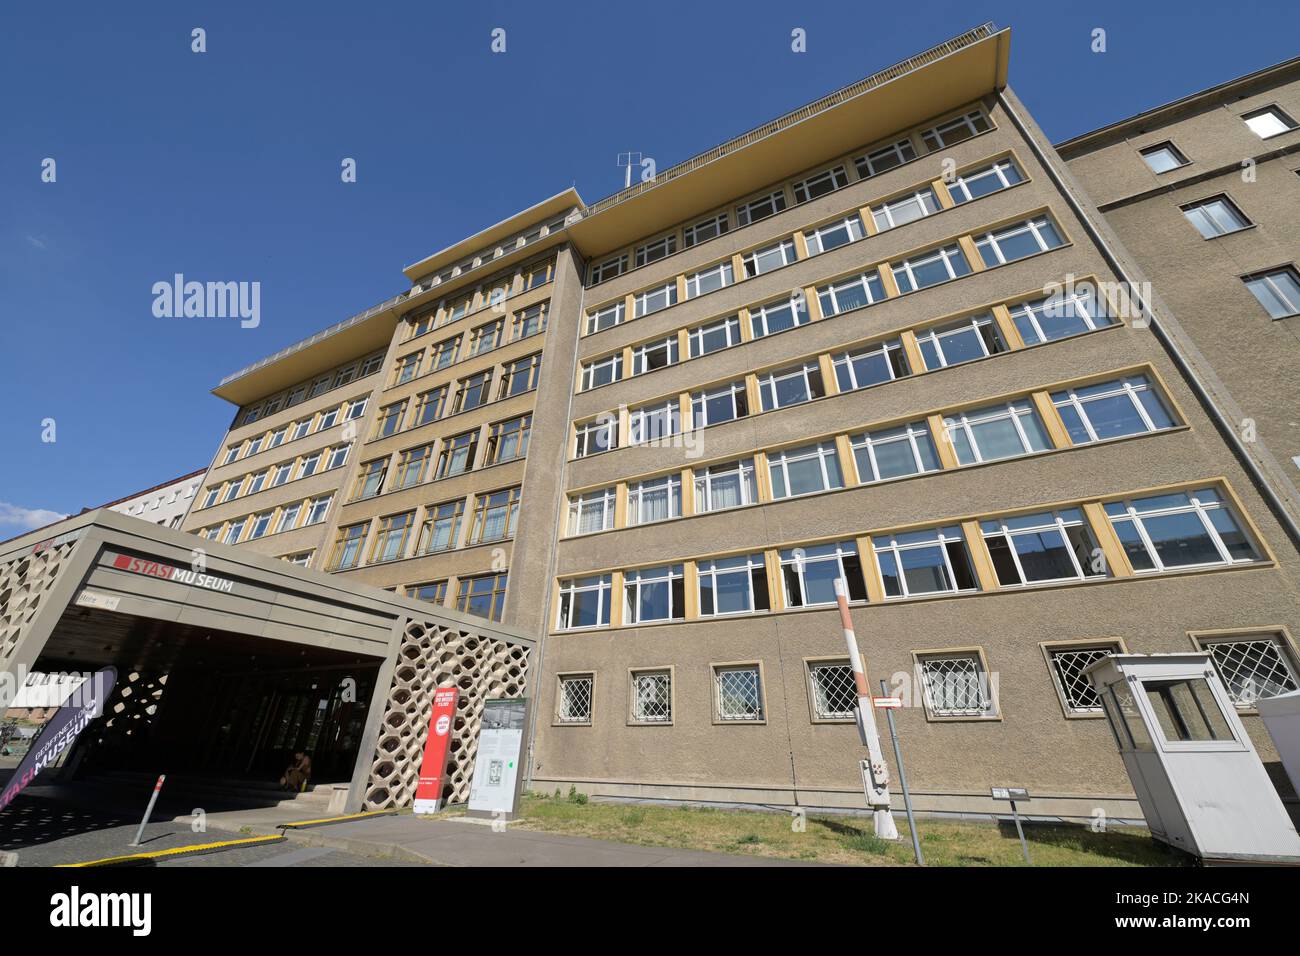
1186	710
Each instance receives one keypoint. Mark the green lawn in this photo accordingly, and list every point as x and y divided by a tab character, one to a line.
828	839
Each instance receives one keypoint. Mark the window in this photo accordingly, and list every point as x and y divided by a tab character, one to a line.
281	474
1018	241
232	453
472	392
609	269
370	478
606	318
775	256
1278	291
236	530
211	498
654	300
435	592
1214	217
652	697
254	446
738	693
833	690
371	365
962	341
901	211
729	485
934	561
345	375
288	517
494	516
987	179
457	310
1253	667
356	409
484	596
1163	157
956	685
592	511
1069	667
440	530
390	419
1044	548
419	325
596	436
508	440
391	537
411	466
457	455
894	452
530	321
709	280
1129	406
252	415
521	375
299	393
713	336
882	362
309	465
833	235
429	406
277	437
573	699
261	523
337	457
327	419
791	386
444	354
486	337
651	423
704	230
654	594
1180	530
955	130
408	366
302	559
805	471
654	251
655	499
820	184
584	602
930	268
760	208
317	509
996	431
319	386
733	585
654	355
538	274
716	405
773	317
1186	710
1072	312
347	547
887	157
848	294
602	371
809	573
1270	121
232	490
301	428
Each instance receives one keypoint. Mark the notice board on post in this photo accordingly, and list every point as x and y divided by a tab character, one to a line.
495	788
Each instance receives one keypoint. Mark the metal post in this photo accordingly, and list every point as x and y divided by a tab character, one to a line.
902	778
1024	847
148	811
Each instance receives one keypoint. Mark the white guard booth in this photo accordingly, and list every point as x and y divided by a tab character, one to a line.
1200	782
1281	716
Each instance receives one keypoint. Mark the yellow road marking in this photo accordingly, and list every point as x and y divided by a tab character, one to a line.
349	816
177	851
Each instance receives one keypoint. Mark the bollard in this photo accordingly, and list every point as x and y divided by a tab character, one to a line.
148	811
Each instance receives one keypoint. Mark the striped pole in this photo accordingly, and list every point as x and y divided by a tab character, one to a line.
875	773
148	811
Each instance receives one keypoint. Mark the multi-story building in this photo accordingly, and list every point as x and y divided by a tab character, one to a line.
164	504
1202	192
882	339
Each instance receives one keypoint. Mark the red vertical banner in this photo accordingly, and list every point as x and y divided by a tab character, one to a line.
428	792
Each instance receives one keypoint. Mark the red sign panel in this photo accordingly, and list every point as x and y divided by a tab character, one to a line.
428	792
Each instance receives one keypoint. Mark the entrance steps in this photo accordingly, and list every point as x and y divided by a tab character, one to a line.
319	799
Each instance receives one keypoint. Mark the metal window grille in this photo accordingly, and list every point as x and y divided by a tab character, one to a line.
652	697
956	686
575	700
1252	669
740	694
835	696
1069	666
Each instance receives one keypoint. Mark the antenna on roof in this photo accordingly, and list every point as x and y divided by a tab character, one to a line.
627	161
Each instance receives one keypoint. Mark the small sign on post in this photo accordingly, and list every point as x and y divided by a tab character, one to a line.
1011	795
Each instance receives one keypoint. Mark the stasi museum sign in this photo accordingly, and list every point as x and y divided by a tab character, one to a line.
169	572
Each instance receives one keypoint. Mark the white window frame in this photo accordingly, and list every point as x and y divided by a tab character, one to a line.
731	326
668	412
850	225
809	373
822	451
941	538
586	446
695	281
637	492
959	188
579	505
643	303
662	575
988	703
742	471
565	700
869	282
1166	147
753	674
1015	411
1207	215
602	584
757	262
945	254
611	268
923	199
1269	278
758	316
661	678
1272	111
745	211
903	151
1202	511
1131	386
719	225
800	558
888	348
592	370
596	319
700	403
1037	227
656	249
1057	521
710	571
936	334
936	137
803	189
668	344
1086	305
912	432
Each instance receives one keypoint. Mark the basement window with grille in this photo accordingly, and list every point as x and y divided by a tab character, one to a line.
1068	667
652	697
834	694
739	693
1253	667
574	699
956	685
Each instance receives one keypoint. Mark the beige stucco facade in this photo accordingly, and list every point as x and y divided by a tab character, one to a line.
785	751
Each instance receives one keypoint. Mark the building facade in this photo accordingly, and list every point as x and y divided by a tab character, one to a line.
164	504
883	339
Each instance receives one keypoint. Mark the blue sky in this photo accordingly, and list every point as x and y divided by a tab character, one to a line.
225	165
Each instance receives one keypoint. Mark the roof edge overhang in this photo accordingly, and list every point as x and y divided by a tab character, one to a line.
930	83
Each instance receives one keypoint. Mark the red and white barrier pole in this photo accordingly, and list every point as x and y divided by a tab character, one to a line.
875	773
148	811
